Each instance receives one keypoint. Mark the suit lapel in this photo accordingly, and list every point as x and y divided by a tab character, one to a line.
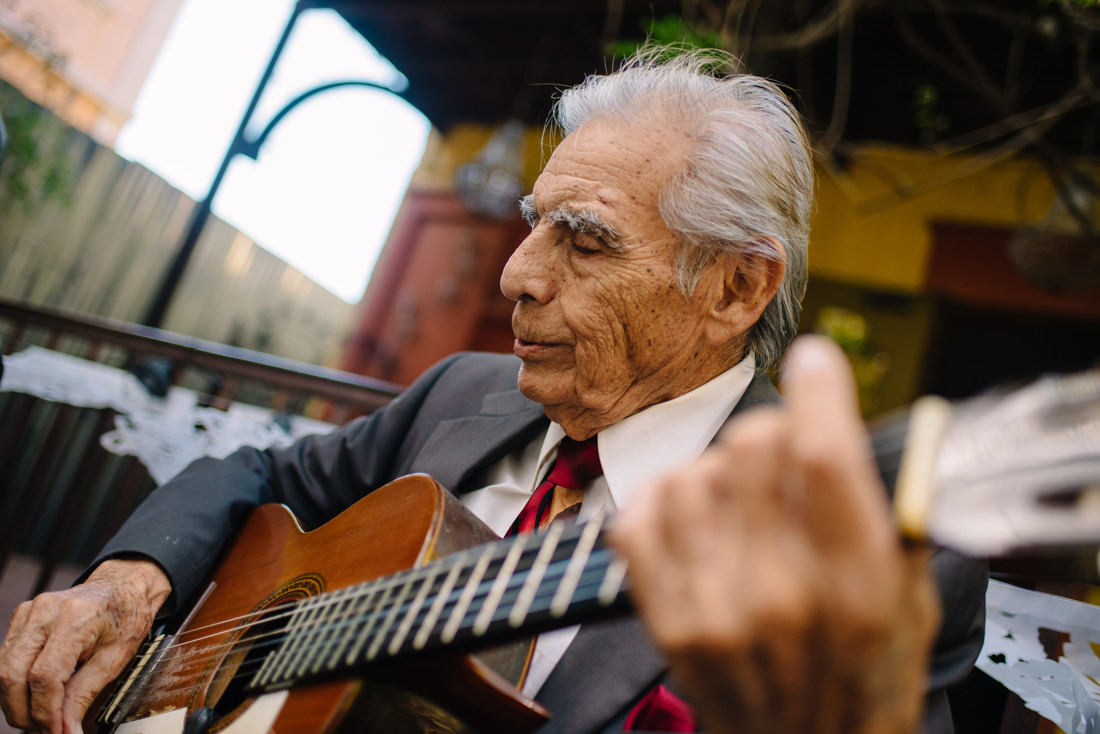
460	446
628	666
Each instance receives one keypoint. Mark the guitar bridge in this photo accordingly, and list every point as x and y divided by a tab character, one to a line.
119	703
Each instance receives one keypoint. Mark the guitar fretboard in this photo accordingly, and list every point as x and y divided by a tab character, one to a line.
510	588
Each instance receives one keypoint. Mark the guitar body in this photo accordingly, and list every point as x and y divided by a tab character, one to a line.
405	524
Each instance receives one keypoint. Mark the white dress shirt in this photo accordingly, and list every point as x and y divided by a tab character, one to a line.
638	449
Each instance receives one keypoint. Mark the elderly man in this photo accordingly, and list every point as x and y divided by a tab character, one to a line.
659	283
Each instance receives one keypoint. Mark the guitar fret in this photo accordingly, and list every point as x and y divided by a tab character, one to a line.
338	601
612	581
316	627
388	622
271	661
371	618
366	592
293	640
428	625
414	610
344	632
455	620
500	584
576	566
536	574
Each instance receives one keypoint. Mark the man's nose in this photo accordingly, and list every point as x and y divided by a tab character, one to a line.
527	275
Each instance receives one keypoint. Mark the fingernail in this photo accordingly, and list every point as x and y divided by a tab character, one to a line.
810	353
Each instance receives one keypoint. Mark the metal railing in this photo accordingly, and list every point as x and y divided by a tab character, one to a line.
61	493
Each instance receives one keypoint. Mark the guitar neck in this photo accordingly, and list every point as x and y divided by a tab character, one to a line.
1023	446
1001	474
508	589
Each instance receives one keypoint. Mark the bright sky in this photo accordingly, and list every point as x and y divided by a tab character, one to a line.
330	177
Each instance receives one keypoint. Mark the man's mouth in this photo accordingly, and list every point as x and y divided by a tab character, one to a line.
529	349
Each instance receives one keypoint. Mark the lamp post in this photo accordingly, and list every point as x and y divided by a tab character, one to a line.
240	145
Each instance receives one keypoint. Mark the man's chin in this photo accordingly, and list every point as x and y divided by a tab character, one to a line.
542	384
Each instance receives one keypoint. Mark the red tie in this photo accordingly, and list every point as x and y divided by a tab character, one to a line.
661	710
559	495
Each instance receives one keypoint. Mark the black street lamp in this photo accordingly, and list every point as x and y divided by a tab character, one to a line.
241	145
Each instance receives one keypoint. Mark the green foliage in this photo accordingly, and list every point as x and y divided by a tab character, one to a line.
34	166
930	122
671	32
849	329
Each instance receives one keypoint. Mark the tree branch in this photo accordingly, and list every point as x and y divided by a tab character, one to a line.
810	35
843	91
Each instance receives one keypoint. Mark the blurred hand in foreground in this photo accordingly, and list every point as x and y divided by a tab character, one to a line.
771	574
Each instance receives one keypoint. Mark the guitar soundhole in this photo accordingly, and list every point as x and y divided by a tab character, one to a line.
227	691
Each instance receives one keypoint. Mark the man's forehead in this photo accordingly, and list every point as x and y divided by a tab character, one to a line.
555	190
611	164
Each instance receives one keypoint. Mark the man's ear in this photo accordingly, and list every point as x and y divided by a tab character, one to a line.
745	286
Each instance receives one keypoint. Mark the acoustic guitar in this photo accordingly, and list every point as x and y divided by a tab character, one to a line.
369	616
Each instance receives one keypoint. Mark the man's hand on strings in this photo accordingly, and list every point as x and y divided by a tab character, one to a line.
63	647
772	576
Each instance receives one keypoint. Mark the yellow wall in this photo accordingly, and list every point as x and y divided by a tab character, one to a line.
443	154
868	232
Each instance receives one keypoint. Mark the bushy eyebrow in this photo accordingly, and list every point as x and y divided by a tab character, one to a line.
583	221
528	210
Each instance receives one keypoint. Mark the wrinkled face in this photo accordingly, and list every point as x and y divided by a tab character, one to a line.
601	326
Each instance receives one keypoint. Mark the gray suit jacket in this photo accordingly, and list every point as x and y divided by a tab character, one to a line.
458	419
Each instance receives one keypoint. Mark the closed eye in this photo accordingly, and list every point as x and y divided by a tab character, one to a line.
578	247
585	243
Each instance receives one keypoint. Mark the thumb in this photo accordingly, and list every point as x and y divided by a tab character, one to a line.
847	508
83	687
818	381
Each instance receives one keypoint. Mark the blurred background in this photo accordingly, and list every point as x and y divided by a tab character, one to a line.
954	244
300	206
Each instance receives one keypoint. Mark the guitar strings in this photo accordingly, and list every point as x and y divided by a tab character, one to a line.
474	610
342	597
498	550
246	672
321	636
326	651
566	542
366	589
587	591
554	573
288	609
305	668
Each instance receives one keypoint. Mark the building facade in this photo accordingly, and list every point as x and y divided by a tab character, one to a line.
84	60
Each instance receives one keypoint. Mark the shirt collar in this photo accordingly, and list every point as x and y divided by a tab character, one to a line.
656	440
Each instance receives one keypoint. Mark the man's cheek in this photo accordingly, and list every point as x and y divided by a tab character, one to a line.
603	344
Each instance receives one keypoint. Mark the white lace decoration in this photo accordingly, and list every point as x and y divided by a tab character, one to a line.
165	434
1063	686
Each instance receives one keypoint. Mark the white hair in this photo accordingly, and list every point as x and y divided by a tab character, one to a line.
747	181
